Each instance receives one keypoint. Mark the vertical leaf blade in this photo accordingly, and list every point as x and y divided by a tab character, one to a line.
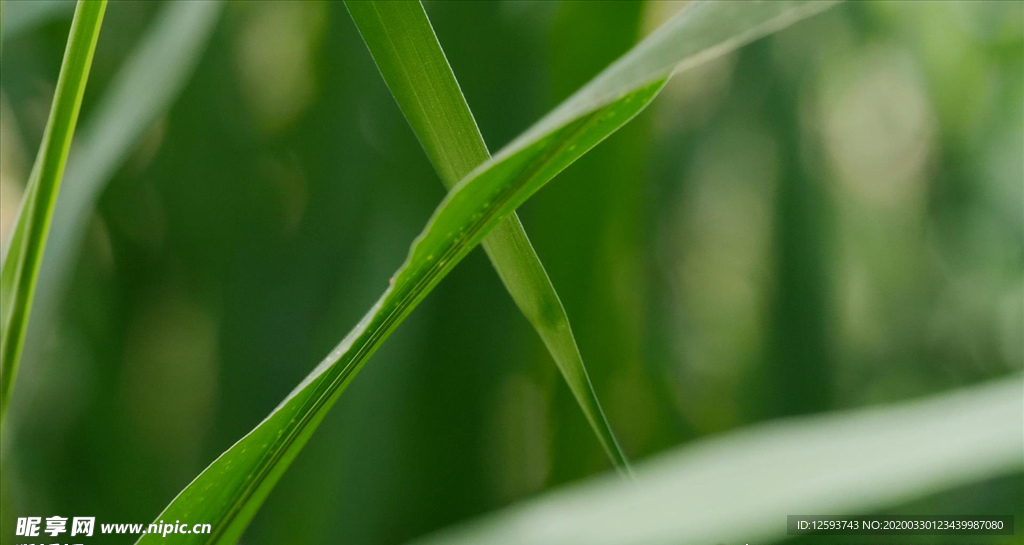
409	56
141	91
21	269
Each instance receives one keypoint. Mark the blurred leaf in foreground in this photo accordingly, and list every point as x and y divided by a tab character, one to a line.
741	486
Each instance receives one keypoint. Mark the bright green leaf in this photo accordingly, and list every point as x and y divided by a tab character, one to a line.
402	41
228	493
21	267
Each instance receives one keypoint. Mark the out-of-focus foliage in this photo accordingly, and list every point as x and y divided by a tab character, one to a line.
790	229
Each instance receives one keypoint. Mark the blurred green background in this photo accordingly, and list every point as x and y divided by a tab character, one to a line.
831	218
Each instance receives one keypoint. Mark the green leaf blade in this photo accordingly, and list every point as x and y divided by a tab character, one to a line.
21	270
142	90
407	52
409	56
228	493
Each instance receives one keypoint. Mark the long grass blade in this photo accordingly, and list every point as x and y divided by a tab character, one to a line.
142	90
21	267
409	56
714	491
228	493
